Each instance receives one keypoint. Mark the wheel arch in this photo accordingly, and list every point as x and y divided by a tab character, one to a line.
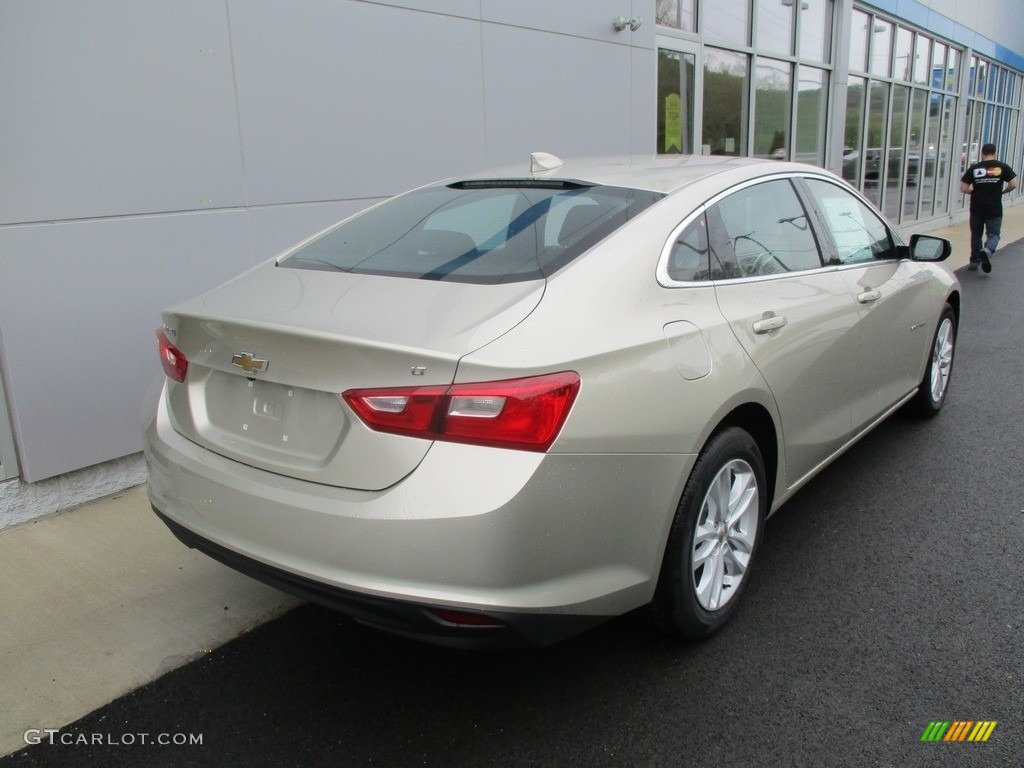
755	419
954	301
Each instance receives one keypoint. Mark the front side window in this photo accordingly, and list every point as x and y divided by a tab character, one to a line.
476	231
762	230
858	234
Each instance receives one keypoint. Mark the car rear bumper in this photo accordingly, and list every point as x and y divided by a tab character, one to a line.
413	620
546	544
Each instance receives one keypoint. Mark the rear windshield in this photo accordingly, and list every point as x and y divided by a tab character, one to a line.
475	231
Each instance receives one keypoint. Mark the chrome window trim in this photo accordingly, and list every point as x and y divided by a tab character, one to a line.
665	281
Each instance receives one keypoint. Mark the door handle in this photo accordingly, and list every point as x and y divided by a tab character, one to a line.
767	324
868	296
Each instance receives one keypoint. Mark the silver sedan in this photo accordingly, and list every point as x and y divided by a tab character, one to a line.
505	407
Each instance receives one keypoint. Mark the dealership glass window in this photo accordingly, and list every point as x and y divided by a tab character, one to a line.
811	109
998	129
922	60
914	188
940	74
852	147
774	27
1013	155
946	154
771	108
677	14
860	27
953	71
903	61
980	75
726	21
675	101
881	45
874	140
897	151
932	155
816	31
724	126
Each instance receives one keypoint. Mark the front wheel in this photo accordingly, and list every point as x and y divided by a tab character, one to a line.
931	393
714	536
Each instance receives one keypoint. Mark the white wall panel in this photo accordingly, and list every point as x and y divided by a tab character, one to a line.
78	305
565	95
642	97
118	107
342	99
579	18
469	9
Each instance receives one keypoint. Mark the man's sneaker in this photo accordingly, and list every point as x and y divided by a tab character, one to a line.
986	265
972	266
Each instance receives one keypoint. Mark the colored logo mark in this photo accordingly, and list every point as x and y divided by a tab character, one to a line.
958	730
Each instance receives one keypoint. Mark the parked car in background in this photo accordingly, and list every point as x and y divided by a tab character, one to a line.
894	169
505	407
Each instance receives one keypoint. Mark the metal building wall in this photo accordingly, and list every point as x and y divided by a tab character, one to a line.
152	150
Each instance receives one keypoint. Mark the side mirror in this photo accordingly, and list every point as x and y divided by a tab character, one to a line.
928	248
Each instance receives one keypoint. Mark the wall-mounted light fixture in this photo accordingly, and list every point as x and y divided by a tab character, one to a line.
621	22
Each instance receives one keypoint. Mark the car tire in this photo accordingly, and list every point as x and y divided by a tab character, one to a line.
931	392
708	556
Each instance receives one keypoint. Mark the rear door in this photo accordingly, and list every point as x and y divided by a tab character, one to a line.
794	317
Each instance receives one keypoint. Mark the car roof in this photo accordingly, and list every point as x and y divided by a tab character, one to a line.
664	173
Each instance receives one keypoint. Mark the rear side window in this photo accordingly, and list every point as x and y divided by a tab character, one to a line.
476	231
857	232
688	259
761	230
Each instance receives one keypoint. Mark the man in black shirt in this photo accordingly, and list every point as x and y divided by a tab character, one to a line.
984	181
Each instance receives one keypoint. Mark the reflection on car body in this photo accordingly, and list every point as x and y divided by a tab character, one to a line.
508	406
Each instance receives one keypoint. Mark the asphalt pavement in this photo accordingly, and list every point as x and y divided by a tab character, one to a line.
887	596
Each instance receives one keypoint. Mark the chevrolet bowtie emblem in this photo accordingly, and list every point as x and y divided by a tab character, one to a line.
248	363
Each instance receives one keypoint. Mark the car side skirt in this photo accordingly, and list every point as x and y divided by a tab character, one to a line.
780	499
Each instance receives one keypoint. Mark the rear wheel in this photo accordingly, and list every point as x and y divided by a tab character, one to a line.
932	392
714	537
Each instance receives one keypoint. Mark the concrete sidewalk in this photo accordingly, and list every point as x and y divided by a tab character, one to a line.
102	599
960	236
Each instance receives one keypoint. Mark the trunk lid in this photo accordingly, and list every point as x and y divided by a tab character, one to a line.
270	352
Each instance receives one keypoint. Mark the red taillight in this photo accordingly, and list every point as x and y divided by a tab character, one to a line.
525	414
174	362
